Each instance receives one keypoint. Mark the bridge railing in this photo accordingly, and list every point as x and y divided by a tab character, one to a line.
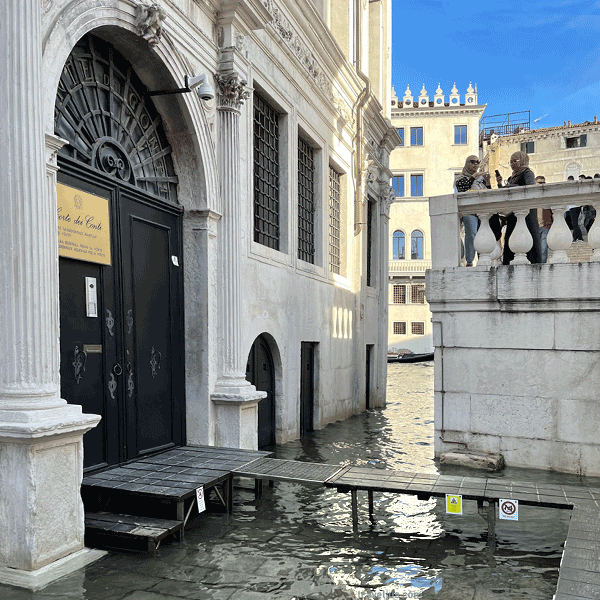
445	213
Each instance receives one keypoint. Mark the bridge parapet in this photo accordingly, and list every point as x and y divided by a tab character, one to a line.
445	213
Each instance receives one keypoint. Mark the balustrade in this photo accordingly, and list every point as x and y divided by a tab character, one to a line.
445	212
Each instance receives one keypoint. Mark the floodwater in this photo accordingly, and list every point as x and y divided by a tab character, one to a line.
296	542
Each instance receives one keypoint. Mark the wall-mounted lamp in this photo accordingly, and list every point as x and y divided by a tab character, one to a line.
200	82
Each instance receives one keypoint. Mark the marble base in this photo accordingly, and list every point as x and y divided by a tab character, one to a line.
36	580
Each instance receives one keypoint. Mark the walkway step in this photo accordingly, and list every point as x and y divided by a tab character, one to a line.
109	530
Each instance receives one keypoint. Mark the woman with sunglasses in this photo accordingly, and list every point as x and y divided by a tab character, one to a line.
471	179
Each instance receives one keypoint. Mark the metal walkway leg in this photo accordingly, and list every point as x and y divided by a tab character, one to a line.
354	510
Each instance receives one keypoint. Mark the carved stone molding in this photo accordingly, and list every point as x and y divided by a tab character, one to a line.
388	197
302	52
47	5
149	20
231	91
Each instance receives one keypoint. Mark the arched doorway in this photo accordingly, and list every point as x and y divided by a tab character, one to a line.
121	314
260	372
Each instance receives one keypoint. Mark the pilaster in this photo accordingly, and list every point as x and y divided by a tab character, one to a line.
235	399
41	436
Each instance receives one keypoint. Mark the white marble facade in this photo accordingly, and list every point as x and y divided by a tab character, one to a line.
235	289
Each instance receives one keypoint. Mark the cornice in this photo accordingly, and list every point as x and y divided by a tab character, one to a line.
439	112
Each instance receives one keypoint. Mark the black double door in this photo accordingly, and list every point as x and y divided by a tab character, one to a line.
123	357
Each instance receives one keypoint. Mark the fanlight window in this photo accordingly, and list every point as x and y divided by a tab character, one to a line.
110	125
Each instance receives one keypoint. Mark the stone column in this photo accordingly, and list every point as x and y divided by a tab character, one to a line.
41	447
236	399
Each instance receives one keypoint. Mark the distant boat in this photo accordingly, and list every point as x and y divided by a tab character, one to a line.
409	357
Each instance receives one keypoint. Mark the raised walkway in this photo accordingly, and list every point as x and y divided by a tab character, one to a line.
172	477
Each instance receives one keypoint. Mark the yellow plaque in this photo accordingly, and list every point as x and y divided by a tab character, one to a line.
454	504
83	225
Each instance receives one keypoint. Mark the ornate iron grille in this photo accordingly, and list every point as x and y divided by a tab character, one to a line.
266	174
306	202
334	220
101	110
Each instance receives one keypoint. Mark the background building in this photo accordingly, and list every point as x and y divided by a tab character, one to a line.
215	272
437	134
554	152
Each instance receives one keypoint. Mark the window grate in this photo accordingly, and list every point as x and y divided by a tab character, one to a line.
266	174
417	328
334	220
417	293
306	202
399	294
399	327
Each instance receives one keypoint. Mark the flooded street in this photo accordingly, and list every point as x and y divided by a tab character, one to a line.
297	540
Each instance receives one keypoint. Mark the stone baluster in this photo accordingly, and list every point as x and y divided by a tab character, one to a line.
559	237
520	241
485	241
594	235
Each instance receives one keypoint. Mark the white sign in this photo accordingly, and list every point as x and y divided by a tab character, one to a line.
509	509
200	499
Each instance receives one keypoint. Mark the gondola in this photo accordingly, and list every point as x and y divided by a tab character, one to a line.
410	357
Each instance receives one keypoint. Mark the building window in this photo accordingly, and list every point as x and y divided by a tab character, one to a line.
417	293
399	295
266	174
528	147
416	245
416	136
399	327
460	134
306	202
334	220
398	185
401	134
416	185
577	142
370	239
417	328
398	243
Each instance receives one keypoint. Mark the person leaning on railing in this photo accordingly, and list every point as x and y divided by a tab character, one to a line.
521	175
471	179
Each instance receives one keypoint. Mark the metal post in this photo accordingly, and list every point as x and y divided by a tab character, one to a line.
370	492
354	493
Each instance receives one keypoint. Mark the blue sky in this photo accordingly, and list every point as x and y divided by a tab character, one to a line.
523	55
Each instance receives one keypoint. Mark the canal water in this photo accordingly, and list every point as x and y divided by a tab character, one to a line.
297	542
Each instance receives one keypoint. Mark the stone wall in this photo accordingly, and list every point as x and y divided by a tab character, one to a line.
517	363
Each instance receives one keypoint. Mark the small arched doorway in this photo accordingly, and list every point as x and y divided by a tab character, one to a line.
121	340
260	372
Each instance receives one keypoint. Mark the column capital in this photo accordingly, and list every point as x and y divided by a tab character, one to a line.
231	91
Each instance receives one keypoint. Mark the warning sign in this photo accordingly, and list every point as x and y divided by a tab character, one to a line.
454	504
200	499
509	509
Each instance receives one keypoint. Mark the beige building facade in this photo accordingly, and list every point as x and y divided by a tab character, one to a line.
554	152
438	132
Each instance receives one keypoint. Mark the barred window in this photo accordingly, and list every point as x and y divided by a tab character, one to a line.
399	294
417	328
399	327
334	220
370	238
266	174
306	202
417	293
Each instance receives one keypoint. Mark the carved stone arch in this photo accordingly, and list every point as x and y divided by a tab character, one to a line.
185	117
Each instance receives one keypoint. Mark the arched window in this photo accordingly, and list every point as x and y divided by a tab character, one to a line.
416	245
398	251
